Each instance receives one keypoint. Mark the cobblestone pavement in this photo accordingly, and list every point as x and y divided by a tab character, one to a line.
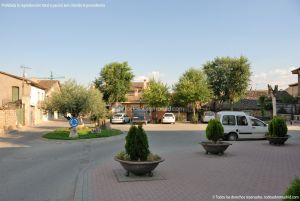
248	168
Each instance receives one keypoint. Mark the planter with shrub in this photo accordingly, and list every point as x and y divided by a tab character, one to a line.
277	131
137	158
214	133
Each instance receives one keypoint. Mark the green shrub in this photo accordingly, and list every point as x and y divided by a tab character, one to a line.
153	157
277	127
214	130
136	145
122	155
293	190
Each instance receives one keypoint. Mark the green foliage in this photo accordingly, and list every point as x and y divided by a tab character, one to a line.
228	77
96	105
123	156
77	100
192	87
114	81
293	190
83	133
72	98
156	94
153	157
277	127
262	104
214	130
195	119
136	145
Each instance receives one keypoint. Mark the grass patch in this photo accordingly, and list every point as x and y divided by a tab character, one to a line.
83	133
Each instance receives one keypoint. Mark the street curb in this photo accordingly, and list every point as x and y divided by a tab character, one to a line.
81	189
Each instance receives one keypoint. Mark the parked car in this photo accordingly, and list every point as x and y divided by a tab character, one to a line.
140	116
168	118
208	115
120	118
238	125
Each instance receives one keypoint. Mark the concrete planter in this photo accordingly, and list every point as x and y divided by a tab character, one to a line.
139	168
215	148
277	140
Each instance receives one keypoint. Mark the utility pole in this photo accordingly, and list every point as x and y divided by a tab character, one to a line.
23	76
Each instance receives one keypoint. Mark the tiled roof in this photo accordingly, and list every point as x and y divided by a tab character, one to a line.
26	80
255	94
47	84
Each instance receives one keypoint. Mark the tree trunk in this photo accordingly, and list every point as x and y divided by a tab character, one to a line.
274	104
81	121
231	105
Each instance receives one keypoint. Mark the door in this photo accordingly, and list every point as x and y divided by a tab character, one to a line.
259	128
244	127
229	124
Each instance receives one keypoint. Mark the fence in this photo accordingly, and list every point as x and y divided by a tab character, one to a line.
8	119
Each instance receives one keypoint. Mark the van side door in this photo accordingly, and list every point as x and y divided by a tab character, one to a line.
244	127
229	124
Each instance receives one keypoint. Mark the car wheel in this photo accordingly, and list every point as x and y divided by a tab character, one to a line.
232	137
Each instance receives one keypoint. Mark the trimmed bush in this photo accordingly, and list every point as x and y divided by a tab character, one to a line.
277	127
293	190
136	145
214	130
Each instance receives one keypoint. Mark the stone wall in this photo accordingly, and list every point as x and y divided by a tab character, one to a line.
8	119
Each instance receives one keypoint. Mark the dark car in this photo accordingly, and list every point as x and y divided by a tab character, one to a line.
140	116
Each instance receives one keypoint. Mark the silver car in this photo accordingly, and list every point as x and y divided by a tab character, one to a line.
120	118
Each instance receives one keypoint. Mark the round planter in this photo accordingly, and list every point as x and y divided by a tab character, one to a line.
139	168
277	140
215	148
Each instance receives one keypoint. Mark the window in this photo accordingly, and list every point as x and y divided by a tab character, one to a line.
241	121
256	122
15	94
228	120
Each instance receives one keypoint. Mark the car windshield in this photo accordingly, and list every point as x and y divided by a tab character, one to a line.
168	115
118	115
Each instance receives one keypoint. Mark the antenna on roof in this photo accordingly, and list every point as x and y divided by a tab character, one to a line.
51	77
24	70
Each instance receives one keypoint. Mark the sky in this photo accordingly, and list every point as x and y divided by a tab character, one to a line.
160	38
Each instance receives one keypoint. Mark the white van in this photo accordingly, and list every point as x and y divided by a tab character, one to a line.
240	125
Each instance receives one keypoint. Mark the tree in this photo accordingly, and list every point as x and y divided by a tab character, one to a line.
273	93
156	95
262	100
96	106
114	81
228	77
191	88
76	100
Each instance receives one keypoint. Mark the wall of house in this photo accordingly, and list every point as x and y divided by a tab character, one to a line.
8	119
293	90
35	111
6	85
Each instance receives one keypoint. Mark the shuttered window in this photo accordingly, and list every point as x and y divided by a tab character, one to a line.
15	93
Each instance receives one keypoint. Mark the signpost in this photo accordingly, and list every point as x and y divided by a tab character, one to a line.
73	122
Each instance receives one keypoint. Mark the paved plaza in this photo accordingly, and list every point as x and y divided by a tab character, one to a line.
248	168
37	169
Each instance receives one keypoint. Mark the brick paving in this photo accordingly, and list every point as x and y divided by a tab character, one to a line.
247	168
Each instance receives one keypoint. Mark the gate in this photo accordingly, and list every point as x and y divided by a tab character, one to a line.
21	116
